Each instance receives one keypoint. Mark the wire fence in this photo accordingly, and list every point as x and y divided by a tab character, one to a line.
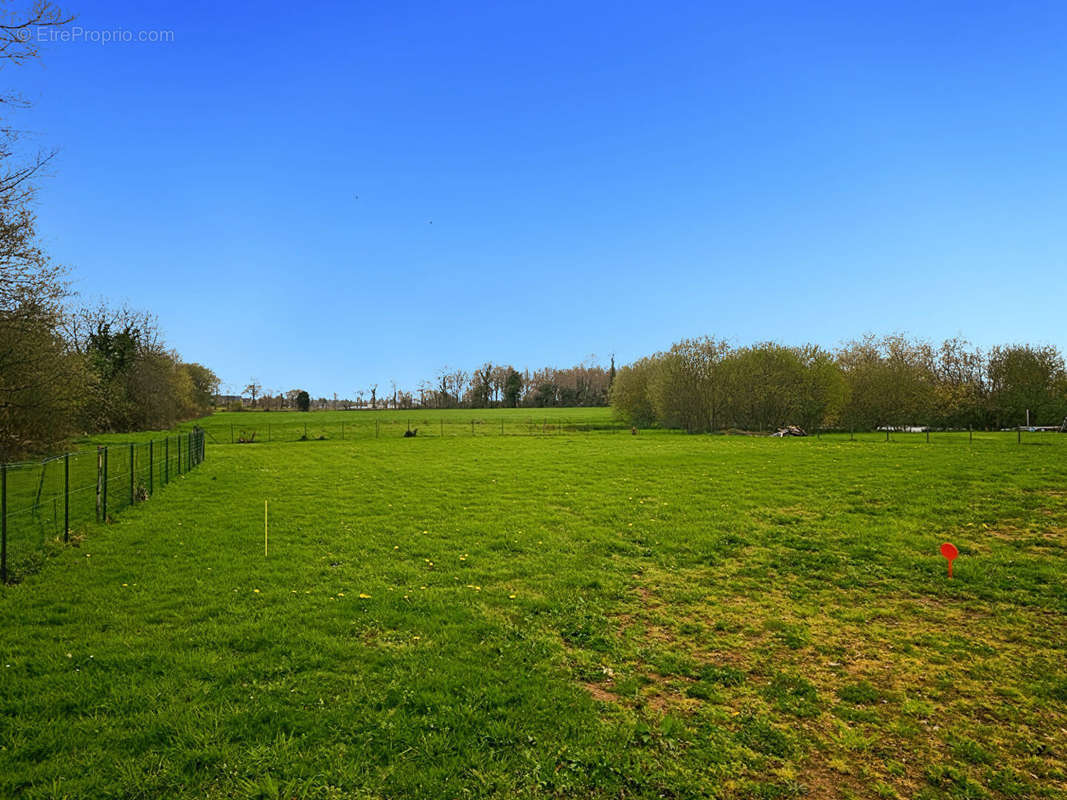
260	430
41	501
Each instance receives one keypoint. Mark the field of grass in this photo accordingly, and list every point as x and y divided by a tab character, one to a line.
556	616
274	426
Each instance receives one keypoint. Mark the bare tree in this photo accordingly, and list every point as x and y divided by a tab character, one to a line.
254	387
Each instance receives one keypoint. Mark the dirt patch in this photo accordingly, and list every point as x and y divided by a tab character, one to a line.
598	692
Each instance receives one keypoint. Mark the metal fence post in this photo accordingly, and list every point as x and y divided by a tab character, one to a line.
132	496
178	462
99	478
104	513
472	427
1018	435
151	468
166	459
3	523
231	433
66	497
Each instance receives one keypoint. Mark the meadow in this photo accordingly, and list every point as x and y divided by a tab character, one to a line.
586	615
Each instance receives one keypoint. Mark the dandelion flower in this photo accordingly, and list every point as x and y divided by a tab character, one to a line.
363	596
342	594
511	596
256	591
125	584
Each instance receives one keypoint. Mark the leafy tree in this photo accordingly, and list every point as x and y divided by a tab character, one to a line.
303	401
630	400
513	385
205	386
1024	377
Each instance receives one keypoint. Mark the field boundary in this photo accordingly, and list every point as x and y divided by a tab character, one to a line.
39	500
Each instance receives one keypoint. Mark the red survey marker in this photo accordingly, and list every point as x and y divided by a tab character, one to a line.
949	551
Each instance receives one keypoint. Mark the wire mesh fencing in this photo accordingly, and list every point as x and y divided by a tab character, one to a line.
261	428
42	501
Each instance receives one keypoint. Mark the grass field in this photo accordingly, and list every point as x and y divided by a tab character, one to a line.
556	616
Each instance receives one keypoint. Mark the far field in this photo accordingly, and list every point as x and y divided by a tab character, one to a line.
585	614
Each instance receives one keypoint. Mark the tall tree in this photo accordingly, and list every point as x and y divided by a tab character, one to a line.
253	388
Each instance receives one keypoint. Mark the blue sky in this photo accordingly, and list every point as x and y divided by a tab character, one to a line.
328	196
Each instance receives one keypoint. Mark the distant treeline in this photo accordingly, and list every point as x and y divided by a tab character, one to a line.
704	385
488	386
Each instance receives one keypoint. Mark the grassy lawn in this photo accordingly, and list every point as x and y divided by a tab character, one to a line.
598	615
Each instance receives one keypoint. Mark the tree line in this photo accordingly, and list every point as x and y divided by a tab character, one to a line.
488	386
704	384
65	371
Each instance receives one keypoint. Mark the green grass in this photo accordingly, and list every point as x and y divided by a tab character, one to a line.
274	426
556	616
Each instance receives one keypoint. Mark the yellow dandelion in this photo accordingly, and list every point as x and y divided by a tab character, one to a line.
342	594
256	591
512	596
416	638
125	584
396	547
363	596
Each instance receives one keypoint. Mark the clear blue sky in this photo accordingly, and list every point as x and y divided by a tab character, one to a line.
601	177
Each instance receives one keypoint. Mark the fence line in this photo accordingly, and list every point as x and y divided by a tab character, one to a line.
39	500
274	430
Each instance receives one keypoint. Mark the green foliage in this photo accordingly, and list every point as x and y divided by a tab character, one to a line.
703	385
134	381
303	401
861	694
